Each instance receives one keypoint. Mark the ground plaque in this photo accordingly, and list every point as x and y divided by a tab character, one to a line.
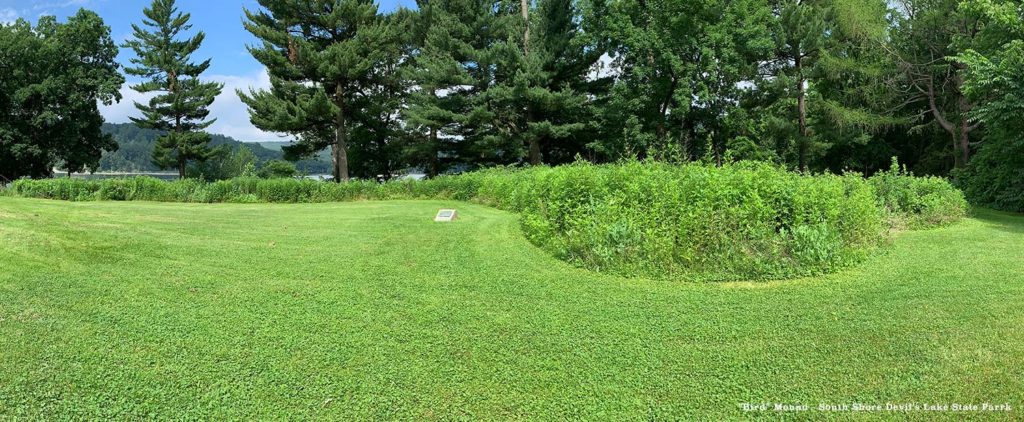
446	216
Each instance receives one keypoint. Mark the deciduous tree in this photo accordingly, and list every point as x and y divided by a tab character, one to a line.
52	78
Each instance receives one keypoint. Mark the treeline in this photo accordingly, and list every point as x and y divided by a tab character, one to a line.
135	151
821	85
460	84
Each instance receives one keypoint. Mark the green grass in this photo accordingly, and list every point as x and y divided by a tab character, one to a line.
369	310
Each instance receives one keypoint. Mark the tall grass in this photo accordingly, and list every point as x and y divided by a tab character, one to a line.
696	222
917	202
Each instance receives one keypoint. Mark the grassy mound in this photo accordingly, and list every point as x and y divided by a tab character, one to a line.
694	222
742	221
370	311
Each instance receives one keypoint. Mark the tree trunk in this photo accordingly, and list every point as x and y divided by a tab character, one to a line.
534	152
181	166
432	169
339	149
959	132
964	129
961	145
660	131
524	6
801	105
533	142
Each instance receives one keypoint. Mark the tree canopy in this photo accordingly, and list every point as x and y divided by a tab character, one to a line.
52	78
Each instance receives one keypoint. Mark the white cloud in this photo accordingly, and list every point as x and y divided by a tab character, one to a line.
39	9
59	4
119	112
8	15
232	115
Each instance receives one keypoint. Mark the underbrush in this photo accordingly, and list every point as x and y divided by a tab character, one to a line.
917	202
696	222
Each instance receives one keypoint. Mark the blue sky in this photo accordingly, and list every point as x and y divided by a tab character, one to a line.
225	45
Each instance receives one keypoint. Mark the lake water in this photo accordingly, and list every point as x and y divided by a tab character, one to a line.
98	176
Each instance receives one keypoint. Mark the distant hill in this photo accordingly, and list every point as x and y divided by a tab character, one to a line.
135	151
274	145
324	155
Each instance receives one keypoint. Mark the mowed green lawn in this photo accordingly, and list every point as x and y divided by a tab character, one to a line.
370	310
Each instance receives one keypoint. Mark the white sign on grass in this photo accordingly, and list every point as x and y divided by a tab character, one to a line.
446	215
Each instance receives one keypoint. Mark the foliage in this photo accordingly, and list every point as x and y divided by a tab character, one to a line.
995	176
181	107
449	39
52	78
698	222
917	201
457	85
539	101
276	169
224	162
680	70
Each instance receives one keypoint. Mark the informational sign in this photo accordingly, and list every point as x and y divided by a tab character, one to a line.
445	216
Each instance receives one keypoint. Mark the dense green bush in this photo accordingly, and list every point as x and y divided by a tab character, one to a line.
745	220
277	169
696	222
917	202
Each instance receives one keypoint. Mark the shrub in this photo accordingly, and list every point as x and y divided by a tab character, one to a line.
695	221
917	202
278	169
995	175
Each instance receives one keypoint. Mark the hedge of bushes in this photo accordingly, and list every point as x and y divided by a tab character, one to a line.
917	202
697	222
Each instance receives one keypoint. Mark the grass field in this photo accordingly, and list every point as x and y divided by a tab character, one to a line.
369	310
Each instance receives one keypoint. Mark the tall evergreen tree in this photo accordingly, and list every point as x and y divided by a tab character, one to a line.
321	56
540	96
182	104
377	133
801	32
856	112
445	31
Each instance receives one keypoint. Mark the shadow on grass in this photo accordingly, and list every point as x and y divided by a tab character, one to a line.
1001	220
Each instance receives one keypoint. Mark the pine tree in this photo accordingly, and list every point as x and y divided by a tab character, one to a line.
440	71
540	99
377	129
182	104
321	56
800	37
855	109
